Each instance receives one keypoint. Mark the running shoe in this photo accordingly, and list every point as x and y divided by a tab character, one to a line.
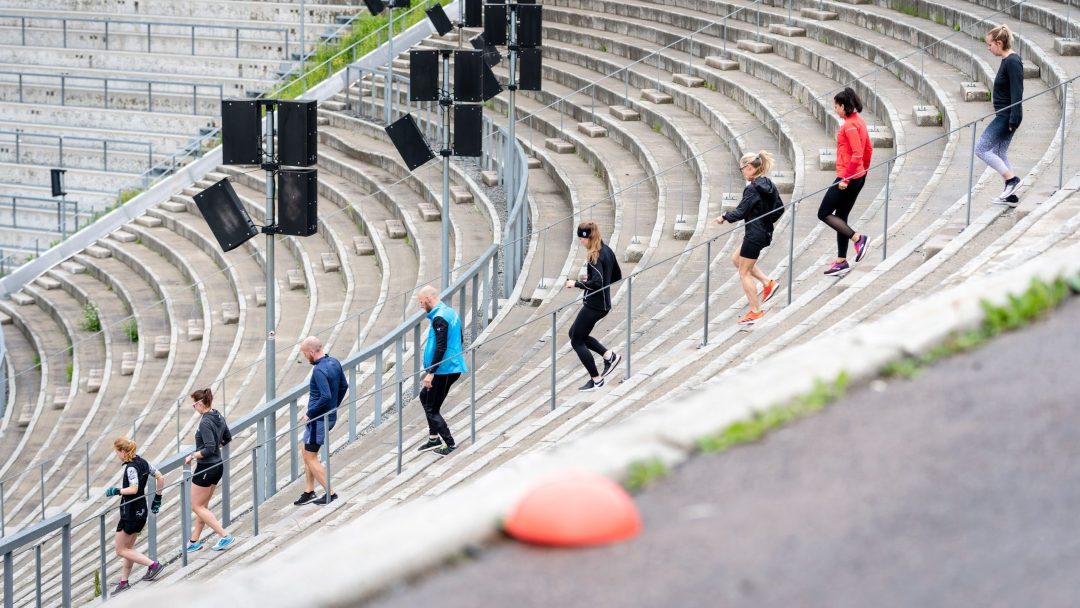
445	450
769	291
121	586
751	317
1010	189
152	572
305	498
223	543
194	546
1012	200
609	366
838	269
431	444
591	385
861	247
324	500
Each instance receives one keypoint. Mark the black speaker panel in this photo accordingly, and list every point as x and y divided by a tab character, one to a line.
56	176
468	80
297	207
241	132
531	61
375	6
491	84
495	24
492	57
409	142
439	20
228	220
468	130
474	13
424	75
529	22
298	136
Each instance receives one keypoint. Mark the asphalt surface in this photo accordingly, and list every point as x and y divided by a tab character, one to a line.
958	488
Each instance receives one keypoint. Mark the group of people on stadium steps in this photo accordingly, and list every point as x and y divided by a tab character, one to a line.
760	208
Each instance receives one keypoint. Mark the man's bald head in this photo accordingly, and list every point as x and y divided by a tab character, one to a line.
428	297
312	348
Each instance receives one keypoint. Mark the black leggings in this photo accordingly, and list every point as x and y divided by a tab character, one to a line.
432	400
835	208
582	342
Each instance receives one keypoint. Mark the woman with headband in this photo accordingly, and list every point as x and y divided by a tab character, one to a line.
602	270
760	208
993	146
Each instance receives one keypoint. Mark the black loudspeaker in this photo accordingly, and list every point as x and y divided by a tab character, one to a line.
56	180
468	130
495	24
439	19
409	142
424	75
529	22
399	3
468	83
297	192
375	6
531	69
241	132
474	13
228	220
491	84
298	135
492	57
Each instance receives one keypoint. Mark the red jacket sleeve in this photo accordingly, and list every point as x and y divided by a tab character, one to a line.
855	144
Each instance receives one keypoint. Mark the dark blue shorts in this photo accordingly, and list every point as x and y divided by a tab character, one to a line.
315	434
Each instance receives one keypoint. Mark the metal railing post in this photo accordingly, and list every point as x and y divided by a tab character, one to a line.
971	173
791	253
399	397
629	323
87	454
553	354
226	486
1064	98
885	222
708	273
65	565
326	452
151	519
102	564
9	580
37	574
255	490
472	394
185	513
42	489
294	458
3	524
378	387
352	403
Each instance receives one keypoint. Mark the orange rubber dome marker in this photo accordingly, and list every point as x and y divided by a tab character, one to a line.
574	510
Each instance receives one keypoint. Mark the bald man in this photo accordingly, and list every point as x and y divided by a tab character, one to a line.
325	393
443	363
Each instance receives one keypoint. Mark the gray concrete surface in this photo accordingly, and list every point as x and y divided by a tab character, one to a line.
958	488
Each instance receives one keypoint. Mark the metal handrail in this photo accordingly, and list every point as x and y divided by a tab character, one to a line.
146	87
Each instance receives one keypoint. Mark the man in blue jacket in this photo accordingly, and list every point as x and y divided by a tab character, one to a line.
443	363
325	394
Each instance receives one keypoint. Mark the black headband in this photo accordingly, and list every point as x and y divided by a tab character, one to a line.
584	233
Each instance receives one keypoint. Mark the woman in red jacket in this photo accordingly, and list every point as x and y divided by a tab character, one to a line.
853	152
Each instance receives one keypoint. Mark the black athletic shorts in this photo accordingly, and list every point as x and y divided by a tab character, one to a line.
207	475
131	526
751	248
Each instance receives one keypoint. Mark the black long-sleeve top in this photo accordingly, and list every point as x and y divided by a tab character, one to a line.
599	275
1009	89
753	205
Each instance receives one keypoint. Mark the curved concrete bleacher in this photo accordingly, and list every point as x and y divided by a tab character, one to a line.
928	192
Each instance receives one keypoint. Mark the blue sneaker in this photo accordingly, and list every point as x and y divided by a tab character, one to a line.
195	546
223	543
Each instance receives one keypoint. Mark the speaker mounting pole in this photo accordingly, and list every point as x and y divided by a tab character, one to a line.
508	172
270	165
389	83
446	101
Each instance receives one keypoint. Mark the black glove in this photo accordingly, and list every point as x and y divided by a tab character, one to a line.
155	505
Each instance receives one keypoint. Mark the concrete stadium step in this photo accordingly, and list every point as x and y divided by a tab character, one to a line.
132	38
163	143
83	179
24	378
128	63
50	91
99	118
231	86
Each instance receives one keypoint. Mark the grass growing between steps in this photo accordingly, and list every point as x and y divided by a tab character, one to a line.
329	58
642	474
756	427
1021	310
